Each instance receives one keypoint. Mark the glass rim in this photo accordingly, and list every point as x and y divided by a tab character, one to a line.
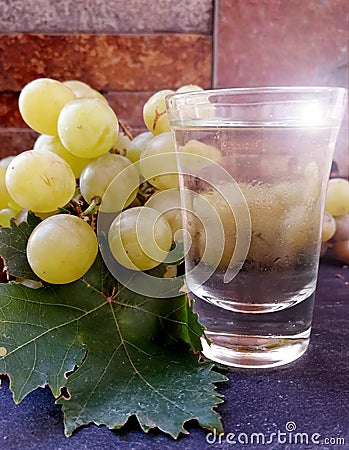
259	90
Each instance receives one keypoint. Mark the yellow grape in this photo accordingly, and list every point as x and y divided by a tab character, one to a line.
122	144
337	198
4	162
140	238
189	88
154	112
88	127
342	228
328	227
97	177
40	181
5	197
6	215
168	203
158	162
53	144
198	155
82	89
62	248
40	103
341	251
137	145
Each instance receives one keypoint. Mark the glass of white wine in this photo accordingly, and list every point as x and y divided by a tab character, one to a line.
253	166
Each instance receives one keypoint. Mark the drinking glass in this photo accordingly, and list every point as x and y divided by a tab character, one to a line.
253	166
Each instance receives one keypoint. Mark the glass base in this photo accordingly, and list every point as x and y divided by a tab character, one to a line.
254	351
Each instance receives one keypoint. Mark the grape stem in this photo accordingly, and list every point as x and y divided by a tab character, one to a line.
125	130
93	207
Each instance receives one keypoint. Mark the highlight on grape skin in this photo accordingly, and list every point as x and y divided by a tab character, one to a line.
140	238
62	248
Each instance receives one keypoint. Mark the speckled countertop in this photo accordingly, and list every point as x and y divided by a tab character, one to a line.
302	406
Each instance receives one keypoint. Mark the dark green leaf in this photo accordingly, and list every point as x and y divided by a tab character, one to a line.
13	243
110	336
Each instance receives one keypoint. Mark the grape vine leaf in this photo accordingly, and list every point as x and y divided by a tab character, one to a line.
13	242
106	346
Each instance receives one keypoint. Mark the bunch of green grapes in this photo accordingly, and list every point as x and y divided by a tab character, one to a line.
335	229
81	164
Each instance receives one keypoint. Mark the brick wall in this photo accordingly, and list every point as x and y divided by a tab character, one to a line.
125	49
130	48
282	43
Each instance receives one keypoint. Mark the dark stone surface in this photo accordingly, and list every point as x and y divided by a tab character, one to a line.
312	393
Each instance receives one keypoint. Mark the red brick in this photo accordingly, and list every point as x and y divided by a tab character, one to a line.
279	42
116	62
14	141
9	112
128	106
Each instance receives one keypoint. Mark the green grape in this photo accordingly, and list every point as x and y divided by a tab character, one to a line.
44	216
40	181
213	220
61	249
121	145
41	141
53	144
82	89
5	197
341	251
154	112
189	88
168	203
97	177
4	162
40	103
342	228
158	162
6	215
328	227
140	238
138	145
337	198
87	127
198	155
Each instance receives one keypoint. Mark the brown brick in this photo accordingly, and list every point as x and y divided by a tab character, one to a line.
9	112
281	42
14	141
112	16
107	62
128	106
